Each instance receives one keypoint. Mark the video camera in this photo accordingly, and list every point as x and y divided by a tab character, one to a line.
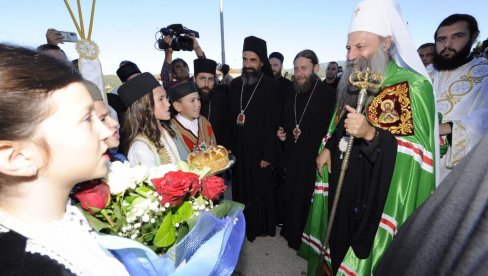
181	40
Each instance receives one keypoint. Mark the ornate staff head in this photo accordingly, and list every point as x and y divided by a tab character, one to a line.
364	79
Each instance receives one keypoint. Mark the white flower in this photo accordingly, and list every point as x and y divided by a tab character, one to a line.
145	218
166	205
153	220
137	225
177	225
139	173
119	177
160	171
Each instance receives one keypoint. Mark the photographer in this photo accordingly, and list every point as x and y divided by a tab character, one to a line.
177	68
53	38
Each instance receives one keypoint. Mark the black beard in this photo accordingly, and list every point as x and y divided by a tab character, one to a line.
204	96
461	57
348	94
305	87
250	78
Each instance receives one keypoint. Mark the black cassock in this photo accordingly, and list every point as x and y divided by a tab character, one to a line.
215	109
300	155
250	143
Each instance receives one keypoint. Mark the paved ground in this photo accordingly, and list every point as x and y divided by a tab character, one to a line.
267	255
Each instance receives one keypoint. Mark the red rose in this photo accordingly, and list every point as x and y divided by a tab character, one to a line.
175	186
196	186
213	187
94	196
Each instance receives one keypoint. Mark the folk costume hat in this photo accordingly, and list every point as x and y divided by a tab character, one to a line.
277	55
384	18
203	65
180	90
136	88
127	69
258	46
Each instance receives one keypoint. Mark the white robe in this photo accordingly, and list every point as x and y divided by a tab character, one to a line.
142	154
462	98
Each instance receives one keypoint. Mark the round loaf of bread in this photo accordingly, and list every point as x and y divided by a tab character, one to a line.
214	157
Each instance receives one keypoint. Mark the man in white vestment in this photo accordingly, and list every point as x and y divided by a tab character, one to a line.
461	86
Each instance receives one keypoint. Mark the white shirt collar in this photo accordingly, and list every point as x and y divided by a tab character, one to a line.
191	125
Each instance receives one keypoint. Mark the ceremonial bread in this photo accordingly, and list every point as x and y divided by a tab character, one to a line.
214	157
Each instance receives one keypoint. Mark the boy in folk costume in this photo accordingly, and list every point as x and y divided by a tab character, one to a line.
191	129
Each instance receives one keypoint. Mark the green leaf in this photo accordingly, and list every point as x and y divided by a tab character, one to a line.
166	232
183	212
225	207
95	223
183	166
219	211
144	191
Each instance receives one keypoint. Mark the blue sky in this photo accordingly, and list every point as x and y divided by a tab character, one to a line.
125	30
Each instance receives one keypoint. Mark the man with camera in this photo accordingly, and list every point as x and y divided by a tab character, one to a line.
176	71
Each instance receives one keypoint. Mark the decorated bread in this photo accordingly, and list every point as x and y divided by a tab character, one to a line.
214	157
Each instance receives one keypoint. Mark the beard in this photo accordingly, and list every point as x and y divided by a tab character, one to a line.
348	94
446	64
204	93
307	84
250	76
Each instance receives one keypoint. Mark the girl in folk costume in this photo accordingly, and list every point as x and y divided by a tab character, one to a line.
50	139
149	137
191	129
101	109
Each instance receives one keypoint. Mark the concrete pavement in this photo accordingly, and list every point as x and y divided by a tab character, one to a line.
267	255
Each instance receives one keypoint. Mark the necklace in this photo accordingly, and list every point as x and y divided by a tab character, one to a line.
209	109
241	118
296	130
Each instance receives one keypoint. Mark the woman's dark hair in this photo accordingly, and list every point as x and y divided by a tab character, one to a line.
140	119
27	78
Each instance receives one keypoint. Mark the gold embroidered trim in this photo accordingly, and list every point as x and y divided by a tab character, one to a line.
463	86
399	119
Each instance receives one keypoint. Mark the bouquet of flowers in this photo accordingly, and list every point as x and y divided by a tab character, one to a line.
156	207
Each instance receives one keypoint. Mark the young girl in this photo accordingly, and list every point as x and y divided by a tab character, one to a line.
113	141
149	138
191	129
50	139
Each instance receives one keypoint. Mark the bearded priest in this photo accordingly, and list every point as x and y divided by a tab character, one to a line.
392	163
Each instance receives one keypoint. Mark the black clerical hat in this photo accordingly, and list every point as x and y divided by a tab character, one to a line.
202	65
258	46
127	69
136	88
277	55
180	90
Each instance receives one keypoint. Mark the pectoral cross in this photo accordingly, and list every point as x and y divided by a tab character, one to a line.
296	132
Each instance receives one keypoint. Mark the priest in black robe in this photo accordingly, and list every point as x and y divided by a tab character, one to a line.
213	98
253	120
308	108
